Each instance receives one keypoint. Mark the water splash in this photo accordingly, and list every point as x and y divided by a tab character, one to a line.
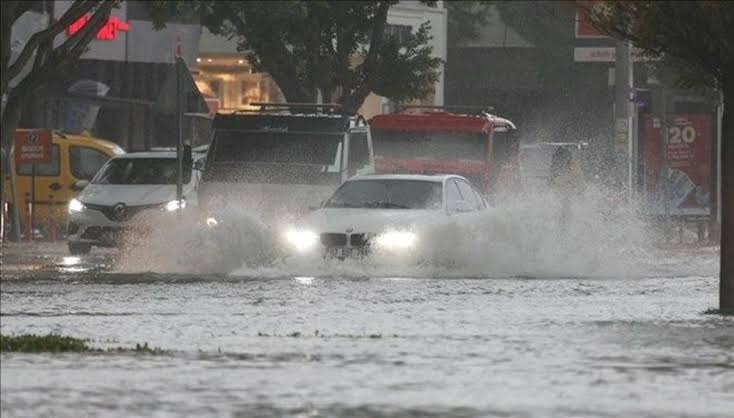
521	237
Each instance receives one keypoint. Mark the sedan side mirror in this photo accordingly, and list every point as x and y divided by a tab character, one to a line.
79	185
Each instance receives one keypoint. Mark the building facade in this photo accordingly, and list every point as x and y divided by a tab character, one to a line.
228	81
116	90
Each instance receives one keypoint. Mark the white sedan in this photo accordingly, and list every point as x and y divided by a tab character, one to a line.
393	215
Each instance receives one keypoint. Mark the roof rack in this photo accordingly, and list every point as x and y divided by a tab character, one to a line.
477	109
324	107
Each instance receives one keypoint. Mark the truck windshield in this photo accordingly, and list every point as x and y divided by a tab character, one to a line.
387	194
140	171
275	157
430	145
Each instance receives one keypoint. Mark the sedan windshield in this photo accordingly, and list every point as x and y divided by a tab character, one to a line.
387	194
140	171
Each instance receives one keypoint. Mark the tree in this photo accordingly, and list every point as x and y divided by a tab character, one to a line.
47	59
699	34
337	48
465	18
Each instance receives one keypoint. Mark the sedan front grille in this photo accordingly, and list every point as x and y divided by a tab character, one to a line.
358	240
334	240
120	213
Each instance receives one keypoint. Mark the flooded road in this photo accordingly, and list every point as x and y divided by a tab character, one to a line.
243	345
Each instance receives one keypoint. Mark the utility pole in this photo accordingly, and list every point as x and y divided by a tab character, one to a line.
625	147
178	63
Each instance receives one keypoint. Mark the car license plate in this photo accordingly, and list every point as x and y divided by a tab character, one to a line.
345	252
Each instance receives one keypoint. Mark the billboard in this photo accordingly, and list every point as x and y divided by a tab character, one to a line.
690	165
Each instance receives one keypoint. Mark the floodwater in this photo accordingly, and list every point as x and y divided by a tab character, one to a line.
525	326
308	346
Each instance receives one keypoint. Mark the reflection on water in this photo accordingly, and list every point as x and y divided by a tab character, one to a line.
302	345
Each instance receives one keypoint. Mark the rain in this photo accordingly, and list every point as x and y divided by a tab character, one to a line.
357	209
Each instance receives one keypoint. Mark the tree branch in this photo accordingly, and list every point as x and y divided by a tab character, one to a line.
277	59
377	37
76	11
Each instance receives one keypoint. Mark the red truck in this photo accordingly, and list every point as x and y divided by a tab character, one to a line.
431	140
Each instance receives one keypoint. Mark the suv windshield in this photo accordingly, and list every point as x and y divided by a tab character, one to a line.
276	157
140	171
387	194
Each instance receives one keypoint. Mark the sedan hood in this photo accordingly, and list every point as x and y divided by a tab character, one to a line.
365	220
130	195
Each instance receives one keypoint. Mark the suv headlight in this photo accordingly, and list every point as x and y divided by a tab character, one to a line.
76	206
396	240
301	239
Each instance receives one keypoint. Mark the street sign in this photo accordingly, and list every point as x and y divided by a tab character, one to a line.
32	146
605	54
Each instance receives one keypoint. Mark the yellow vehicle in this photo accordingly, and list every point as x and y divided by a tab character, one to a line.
73	158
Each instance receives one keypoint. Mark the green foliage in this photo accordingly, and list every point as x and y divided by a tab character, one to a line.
55	343
465	18
694	37
335	47
403	74
721	312
31	343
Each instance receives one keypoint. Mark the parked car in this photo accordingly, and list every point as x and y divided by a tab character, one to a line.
126	190
73	158
383	213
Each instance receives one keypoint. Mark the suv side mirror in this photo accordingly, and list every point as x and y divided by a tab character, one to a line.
79	185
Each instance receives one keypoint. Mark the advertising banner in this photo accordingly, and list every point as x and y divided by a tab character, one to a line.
690	165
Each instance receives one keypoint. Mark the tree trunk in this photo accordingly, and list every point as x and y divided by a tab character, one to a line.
726	286
10	119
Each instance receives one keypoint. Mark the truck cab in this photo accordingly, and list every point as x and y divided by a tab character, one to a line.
431	140
283	158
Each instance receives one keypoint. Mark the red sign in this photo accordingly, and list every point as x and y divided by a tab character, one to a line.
584	27
32	146
108	32
690	165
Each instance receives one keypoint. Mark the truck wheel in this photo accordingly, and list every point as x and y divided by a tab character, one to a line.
79	248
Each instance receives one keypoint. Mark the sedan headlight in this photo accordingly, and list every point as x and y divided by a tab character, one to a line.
76	206
302	240
175	205
396	240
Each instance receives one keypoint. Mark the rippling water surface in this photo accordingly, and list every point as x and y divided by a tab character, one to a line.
347	345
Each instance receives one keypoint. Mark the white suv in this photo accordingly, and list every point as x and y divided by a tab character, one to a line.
126	189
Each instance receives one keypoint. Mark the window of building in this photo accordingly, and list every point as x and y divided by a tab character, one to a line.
251	91
403	33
